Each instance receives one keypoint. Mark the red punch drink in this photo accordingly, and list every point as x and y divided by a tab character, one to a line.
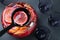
21	18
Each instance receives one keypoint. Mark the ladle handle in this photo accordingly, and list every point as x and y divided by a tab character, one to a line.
2	32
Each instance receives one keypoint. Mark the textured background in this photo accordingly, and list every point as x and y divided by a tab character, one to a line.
43	20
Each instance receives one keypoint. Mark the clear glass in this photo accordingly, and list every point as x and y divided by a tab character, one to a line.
45	5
